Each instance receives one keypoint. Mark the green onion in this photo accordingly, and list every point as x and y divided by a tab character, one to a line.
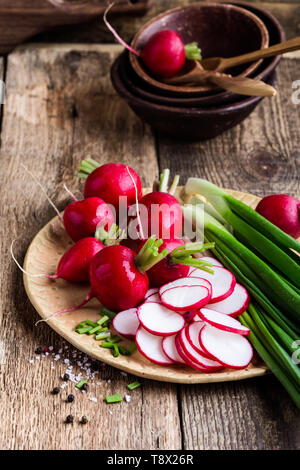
116	352
131	348
133	385
102	320
80	384
123	351
107	345
114	398
108	313
102	335
115	339
83	330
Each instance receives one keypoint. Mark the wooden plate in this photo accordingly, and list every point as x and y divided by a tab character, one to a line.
49	296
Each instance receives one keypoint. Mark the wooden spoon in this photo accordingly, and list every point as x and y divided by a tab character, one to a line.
219	64
240	85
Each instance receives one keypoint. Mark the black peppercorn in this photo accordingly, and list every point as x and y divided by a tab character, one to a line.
70	398
39	350
66	377
69	419
85	387
84	420
55	391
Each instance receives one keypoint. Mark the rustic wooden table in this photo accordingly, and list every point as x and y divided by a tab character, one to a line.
60	107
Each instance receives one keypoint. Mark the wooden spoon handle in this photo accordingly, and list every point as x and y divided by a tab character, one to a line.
286	46
242	85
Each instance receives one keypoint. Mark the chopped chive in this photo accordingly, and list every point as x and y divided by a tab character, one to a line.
133	385
123	351
109	313
114	398
102	320
115	339
83	330
131	348
106	344
116	352
102	335
95	330
80	384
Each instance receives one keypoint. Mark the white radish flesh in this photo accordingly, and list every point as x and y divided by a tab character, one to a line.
181	299
153	298
186	358
185	281
151	291
170	350
222	281
192	333
196	356
126	323
223	322
231	350
159	320
235	304
150	346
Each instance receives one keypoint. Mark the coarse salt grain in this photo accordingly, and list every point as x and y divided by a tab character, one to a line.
127	398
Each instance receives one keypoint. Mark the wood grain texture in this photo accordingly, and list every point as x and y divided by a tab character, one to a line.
287	12
59	110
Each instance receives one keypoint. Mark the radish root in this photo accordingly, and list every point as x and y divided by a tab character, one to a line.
114	32
49	276
137	205
70	192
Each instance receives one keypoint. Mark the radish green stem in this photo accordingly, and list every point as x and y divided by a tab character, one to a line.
149	255
113	236
174	185
192	51
164	181
87	167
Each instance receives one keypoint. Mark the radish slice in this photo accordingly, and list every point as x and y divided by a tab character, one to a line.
181	299
196	356
159	320
192	333
222	281
186	358
223	322
170	350
213	261
235	304
151	291
150	346
153	298
189	316
185	281
126	323
231	350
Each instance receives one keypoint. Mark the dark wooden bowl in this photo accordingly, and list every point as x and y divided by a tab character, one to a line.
220	29
187	123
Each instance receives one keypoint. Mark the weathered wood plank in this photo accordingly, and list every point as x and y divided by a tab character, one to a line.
60	109
260	156
286	12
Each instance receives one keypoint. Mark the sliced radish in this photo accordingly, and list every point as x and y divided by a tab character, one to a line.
150	346
223	322
185	281
153	298
222	281
235	304
126	323
189	316
151	291
192	333
170	350
181	299
196	356
186	358
159	320
196	317
231	350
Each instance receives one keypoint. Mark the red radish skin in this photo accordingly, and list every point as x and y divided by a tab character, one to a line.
184	298
223	322
231	350
196	356
187	281
192	333
159	320
116	280
164	54
162	215
126	323
186	358
111	181
233	305
222	281
150	346
165	271
189	316
81	218
170	350
282	210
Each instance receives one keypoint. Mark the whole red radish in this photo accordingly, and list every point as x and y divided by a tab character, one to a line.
118	276
164	53
177	263
110	182
160	212
81	218
282	210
